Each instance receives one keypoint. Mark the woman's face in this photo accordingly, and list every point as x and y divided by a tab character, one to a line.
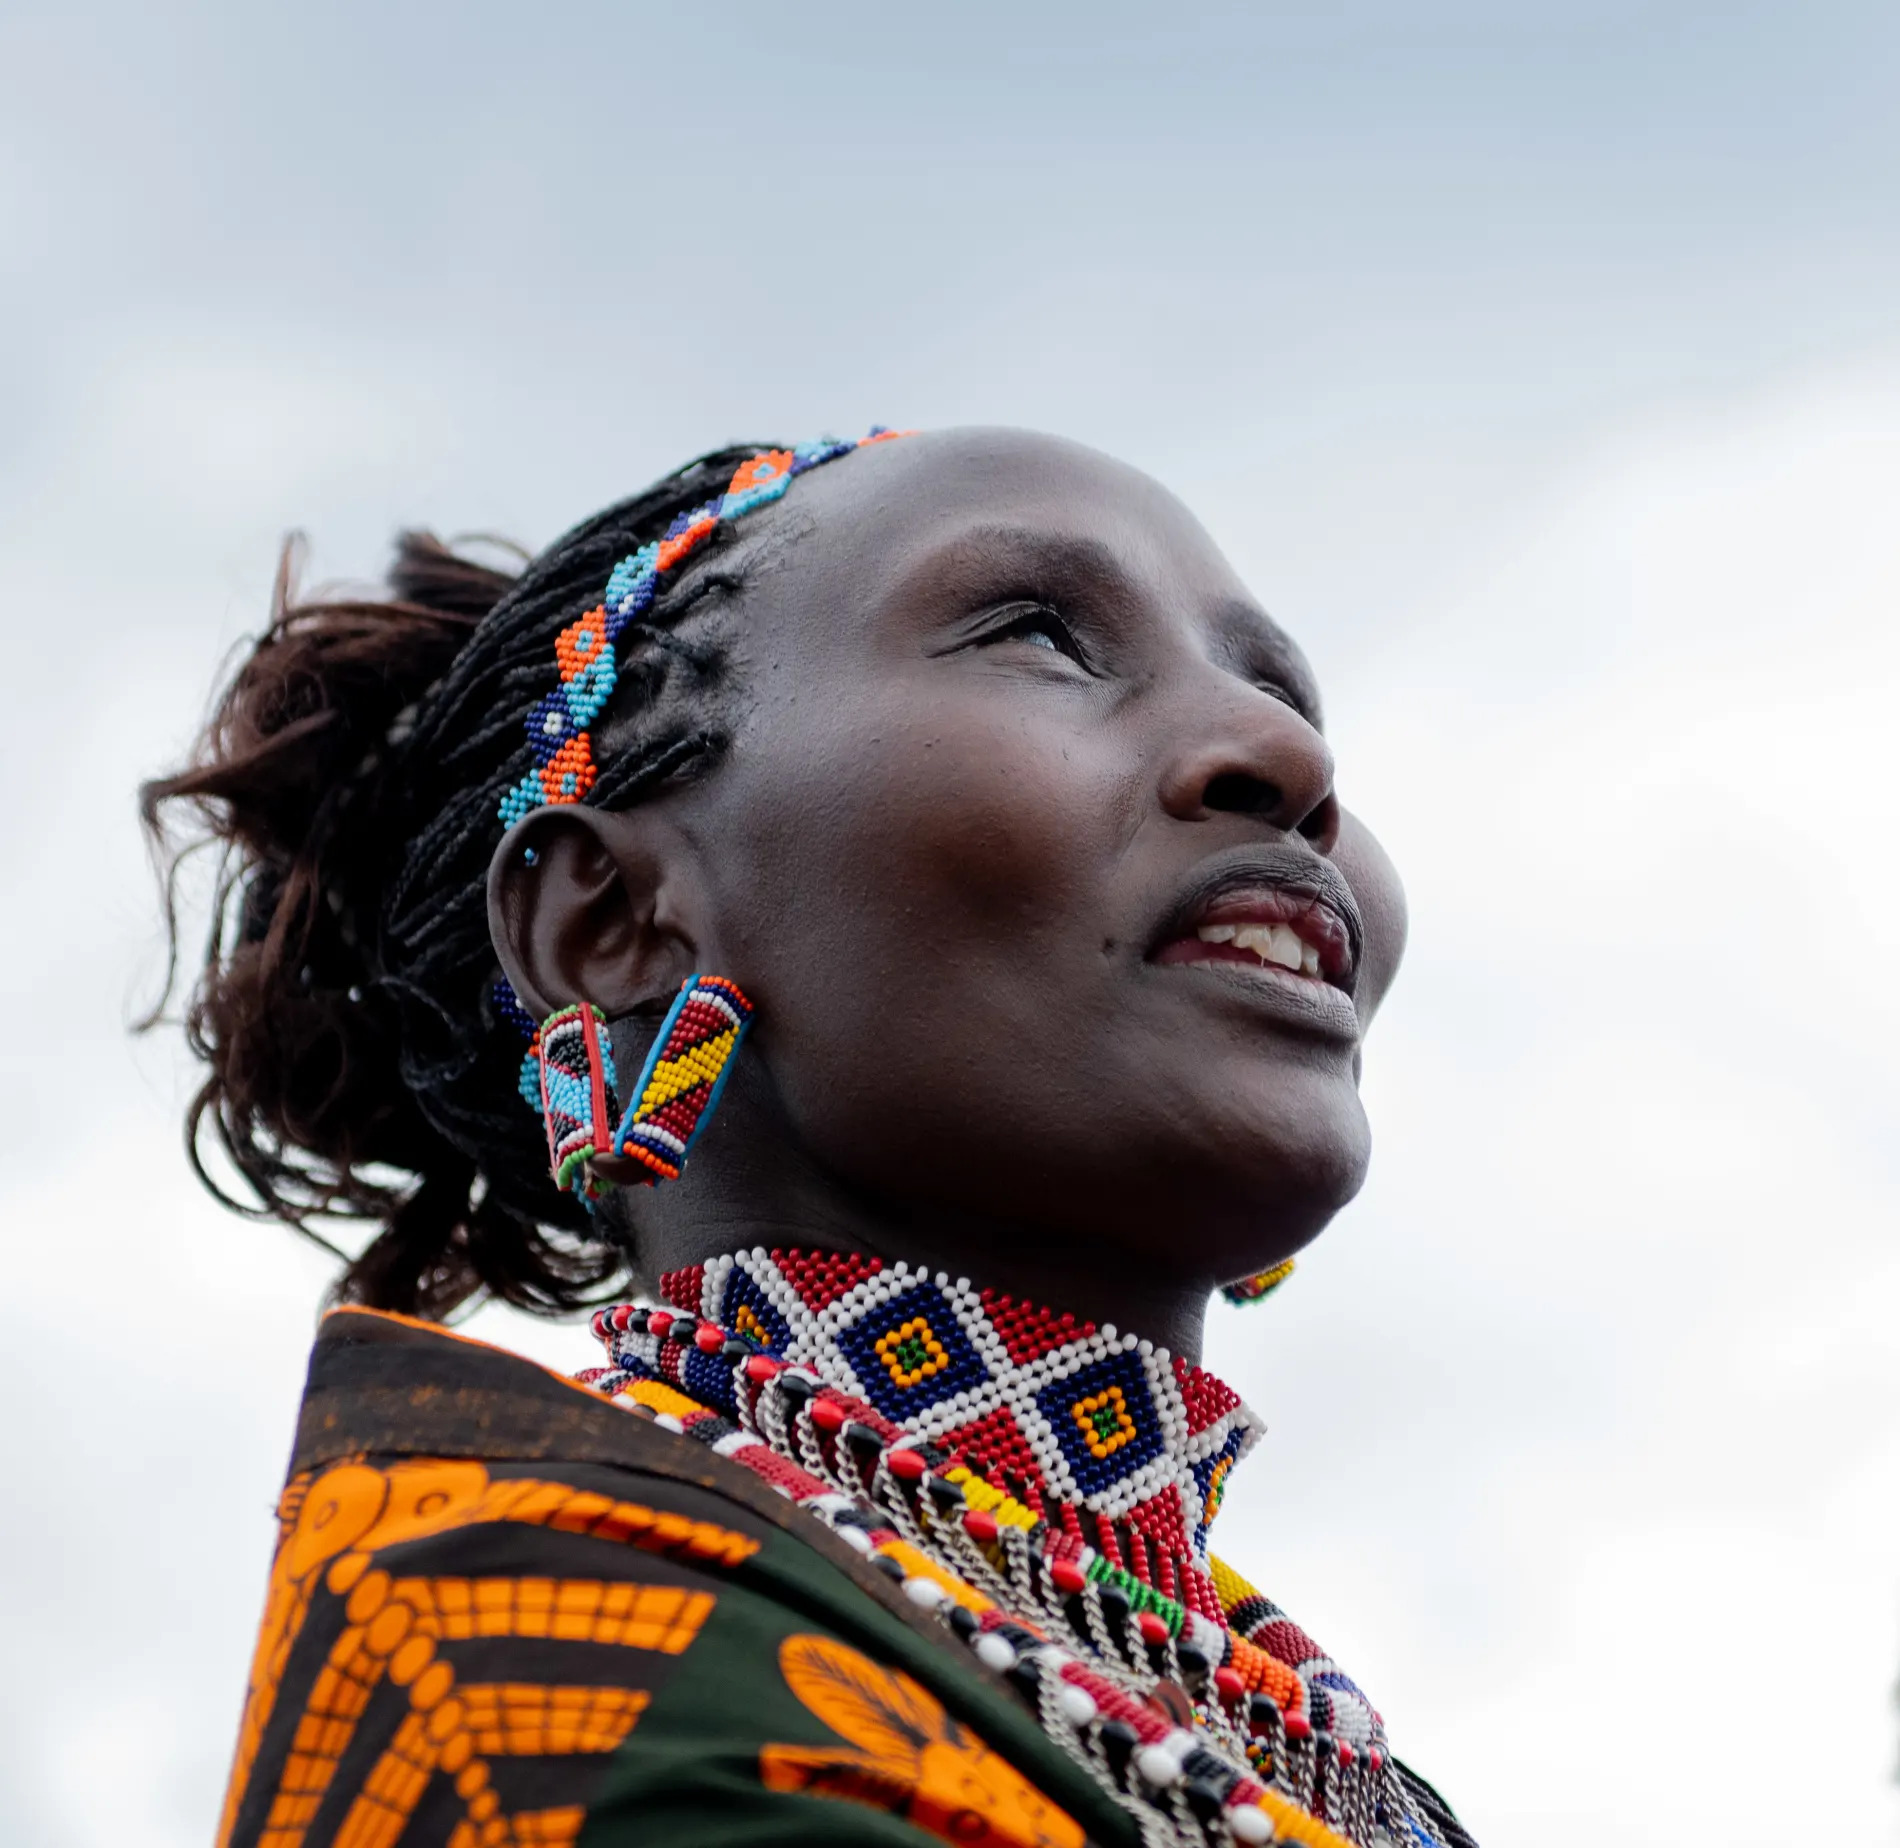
1027	851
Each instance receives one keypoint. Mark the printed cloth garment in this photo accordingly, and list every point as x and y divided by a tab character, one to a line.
502	1611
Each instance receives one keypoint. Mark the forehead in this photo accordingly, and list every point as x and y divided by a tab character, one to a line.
952	500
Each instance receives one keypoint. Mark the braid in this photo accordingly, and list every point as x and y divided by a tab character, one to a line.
348	1004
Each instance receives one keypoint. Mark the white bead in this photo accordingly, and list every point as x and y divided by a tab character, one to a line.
926	1592
1076	1705
994	1652
1250	1824
855	1537
1158	1767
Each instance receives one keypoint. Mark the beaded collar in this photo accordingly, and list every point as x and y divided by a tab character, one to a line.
1121	1447
1047	1486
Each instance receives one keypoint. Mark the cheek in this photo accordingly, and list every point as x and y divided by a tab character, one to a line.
945	820
937	871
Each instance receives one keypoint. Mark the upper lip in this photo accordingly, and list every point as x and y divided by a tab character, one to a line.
1275	885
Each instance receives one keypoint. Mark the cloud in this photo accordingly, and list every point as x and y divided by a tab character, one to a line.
1538	386
1596	1385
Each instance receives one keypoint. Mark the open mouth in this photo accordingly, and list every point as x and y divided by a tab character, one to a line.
1292	933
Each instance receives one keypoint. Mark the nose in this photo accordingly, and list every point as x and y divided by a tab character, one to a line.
1255	756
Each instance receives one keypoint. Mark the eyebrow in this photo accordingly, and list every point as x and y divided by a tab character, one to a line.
1024	548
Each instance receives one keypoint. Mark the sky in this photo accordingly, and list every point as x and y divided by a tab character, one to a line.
1538	365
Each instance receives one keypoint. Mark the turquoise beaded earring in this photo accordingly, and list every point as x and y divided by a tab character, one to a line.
569	1076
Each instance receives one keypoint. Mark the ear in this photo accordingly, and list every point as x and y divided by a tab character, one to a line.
576	911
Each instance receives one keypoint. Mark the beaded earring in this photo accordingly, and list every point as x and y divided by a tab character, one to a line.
569	1073
679	1086
1260	1286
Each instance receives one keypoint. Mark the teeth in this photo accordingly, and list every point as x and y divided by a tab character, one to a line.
1278	944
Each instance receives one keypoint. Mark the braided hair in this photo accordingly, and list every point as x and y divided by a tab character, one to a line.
362	1054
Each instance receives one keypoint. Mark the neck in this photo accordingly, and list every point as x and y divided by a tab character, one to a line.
742	1191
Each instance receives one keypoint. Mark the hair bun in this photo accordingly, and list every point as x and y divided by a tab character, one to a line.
304	1092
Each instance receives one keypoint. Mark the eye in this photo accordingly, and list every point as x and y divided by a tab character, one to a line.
1039	626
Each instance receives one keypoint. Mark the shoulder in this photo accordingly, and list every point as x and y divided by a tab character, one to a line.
501	1608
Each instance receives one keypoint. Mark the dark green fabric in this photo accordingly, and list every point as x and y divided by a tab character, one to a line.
687	1775
690	1771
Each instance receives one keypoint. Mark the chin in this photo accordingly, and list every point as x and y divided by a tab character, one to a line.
1290	1179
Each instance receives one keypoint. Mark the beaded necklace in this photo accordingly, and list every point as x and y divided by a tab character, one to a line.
1044	1486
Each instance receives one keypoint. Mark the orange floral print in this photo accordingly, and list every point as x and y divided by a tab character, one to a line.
906	1755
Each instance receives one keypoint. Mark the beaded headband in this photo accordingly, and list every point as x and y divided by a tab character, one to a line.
557	723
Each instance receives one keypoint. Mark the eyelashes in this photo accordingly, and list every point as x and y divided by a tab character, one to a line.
1039	626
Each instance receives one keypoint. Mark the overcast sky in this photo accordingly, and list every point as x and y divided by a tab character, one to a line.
1538	363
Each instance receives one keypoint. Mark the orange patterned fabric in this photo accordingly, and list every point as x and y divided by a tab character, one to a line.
460	1731
905	1754
334	1526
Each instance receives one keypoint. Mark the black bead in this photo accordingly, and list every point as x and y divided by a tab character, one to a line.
1119	1740
1193	1661
864	1441
1026	1673
888	1566
1203	1798
1262	1711
737	1350
947	1495
795	1386
963	1620
1115	1608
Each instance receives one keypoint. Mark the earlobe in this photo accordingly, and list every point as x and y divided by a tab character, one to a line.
572	902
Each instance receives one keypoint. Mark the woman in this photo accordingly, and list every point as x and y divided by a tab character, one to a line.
934	839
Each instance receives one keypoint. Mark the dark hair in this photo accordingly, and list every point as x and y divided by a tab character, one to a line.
362	1065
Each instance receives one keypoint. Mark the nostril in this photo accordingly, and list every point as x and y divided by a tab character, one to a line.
1237	793
1322	825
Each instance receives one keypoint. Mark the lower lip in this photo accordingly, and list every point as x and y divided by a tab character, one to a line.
1303	999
